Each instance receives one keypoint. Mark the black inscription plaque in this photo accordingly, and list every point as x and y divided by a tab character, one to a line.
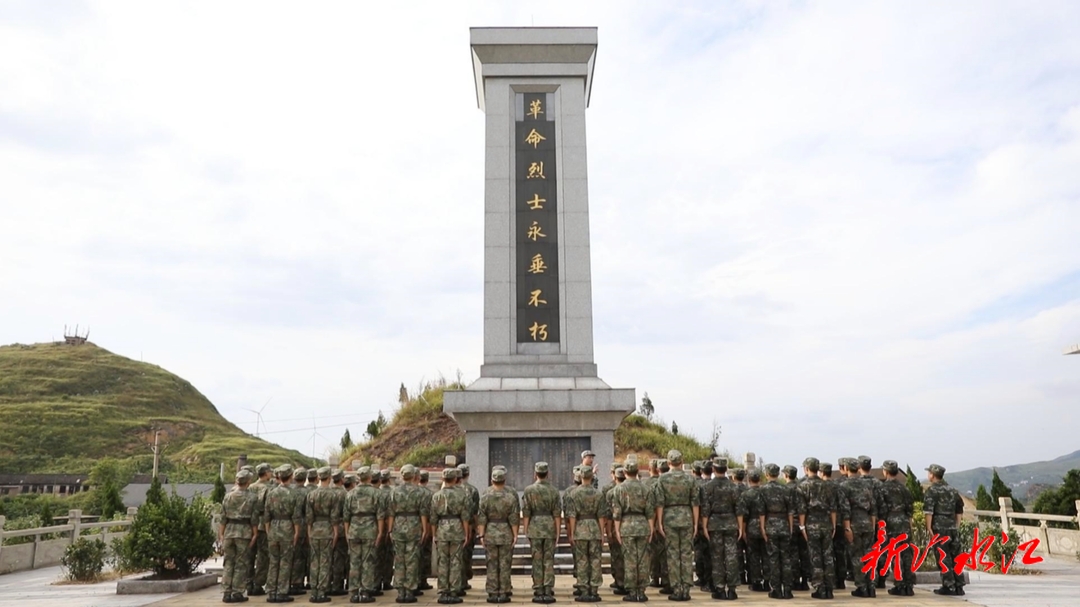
519	455
536	221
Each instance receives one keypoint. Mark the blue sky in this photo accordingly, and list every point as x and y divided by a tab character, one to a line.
834	228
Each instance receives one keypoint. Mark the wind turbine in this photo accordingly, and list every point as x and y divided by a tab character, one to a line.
314	434
258	416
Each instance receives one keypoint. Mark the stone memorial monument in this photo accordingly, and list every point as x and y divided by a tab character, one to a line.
538	396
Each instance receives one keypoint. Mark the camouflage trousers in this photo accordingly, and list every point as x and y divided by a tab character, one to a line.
800	556
587	564
862	538
702	565
636	555
658	562
319	572
425	561
361	566
840	556
755	557
234	578
907	576
781	568
258	563
406	564
724	546
618	563
543	563
952	549
819	542
279	569
301	552
467	557
679	554
448	566
499	559
339	562
384	565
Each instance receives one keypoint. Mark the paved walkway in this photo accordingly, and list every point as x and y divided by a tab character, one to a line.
36	588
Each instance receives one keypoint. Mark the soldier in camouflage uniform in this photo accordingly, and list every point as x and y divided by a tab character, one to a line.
450	510
702	552
752	509
281	520
496	529
897	511
942	508
299	564
237	537
474	505
324	518
339	555
429	534
541	509
586	513
385	551
658	545
259	558
678	510
364	517
738	476
839	542
800	551
618	565
780	511
723	528
408	517
817	524
633	508
864	465
861	506
565	496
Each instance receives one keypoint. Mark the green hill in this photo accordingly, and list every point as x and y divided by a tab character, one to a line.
420	433
63	407
1019	477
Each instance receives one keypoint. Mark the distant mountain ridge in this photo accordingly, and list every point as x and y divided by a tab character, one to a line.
1020	477
64	407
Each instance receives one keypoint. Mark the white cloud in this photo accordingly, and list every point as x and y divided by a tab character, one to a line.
835	228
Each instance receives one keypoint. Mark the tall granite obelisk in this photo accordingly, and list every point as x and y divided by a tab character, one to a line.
538	396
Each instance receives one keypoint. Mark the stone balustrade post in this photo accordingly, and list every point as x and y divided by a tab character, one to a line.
131	512
1006	508
75	520
3	520
749	460
1077	516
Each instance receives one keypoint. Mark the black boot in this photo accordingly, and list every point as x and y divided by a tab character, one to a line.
719	594
492	598
959	590
909	590
880	582
787	593
860	592
354	597
227	598
776	593
666	590
871	591
819	593
731	594
239	598
896	591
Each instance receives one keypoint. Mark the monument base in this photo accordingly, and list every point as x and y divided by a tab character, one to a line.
517	427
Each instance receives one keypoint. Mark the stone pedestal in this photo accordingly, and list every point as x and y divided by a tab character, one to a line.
538	395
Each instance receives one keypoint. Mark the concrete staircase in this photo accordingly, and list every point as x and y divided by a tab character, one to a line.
522	563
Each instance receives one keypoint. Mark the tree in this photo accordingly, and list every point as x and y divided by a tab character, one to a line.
46	513
110	501
218	495
674	428
998	489
983	501
714	438
914	486
376	426
155	494
647	409
346	441
1062	499
403	394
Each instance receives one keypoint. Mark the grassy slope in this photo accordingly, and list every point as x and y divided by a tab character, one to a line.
1017	476
420	433
63	407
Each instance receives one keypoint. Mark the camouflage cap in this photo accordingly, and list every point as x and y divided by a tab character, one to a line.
587	453
654	463
864	461
408	472
586	473
464	469
754	475
772	470
263	468
248	467
696	465
385	474
324	473
812	464
541	467
577	473
300	473
424	476
243	476
614	466
740	474
890	466
498	475
936	470
720	462
449	474
675	457
364	473
284	471
351	479
706	467
499	467
312	474
790	470
826	467
620	472
338	475
630	467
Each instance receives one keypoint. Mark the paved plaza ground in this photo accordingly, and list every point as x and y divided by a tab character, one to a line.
1059	585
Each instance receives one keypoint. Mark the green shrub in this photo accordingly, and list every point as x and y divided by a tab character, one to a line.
84	560
997	549
171	538
118	558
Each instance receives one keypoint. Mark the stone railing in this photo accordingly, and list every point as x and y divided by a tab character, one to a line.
47	552
1052	540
